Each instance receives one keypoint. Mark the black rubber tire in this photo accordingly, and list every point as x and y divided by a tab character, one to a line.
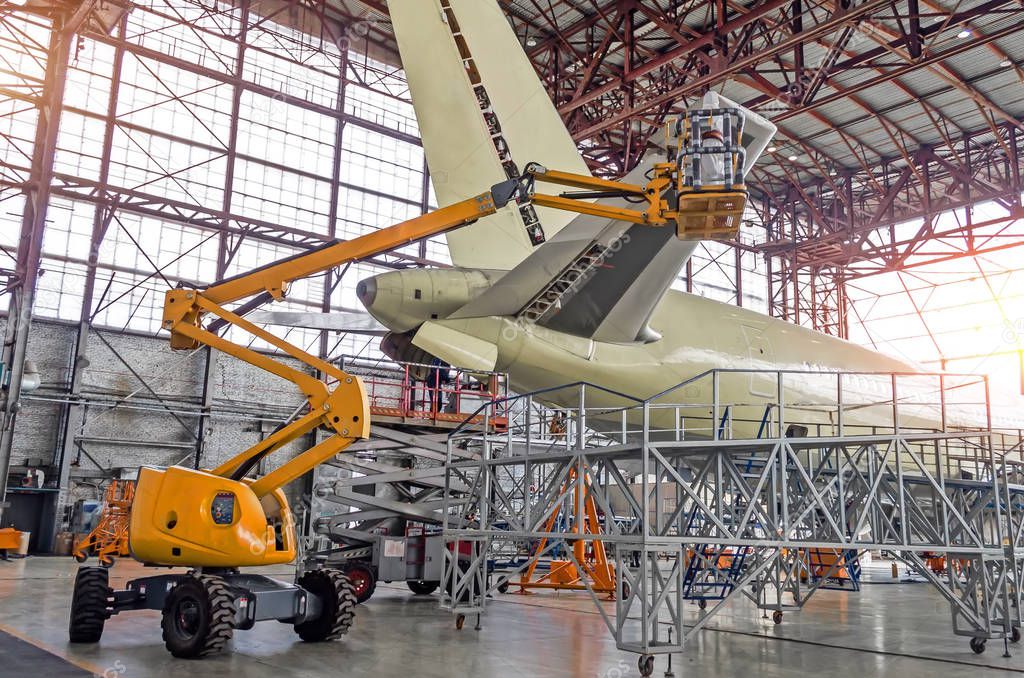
198	617
702	604
91	605
777	616
422	588
503	586
1015	634
338	597
624	590
977	645
363	581
645	664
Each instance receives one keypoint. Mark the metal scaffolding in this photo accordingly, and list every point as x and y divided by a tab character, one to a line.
733	484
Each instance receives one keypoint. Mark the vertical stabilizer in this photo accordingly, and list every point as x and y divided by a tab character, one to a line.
462	146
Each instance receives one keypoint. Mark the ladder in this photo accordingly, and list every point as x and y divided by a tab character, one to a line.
573	274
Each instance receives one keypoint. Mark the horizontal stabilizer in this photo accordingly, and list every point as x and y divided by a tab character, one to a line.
598	278
352	323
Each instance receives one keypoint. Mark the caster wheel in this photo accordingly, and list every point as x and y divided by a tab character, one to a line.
977	645
1015	635
777	616
106	563
503	586
645	664
81	557
702	604
460	621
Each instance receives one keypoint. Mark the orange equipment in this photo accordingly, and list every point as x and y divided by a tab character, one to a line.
936	562
110	536
826	563
598	573
10	540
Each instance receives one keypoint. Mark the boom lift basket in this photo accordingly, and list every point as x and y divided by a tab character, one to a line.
710	161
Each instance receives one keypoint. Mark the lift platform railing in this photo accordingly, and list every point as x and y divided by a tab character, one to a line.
437	395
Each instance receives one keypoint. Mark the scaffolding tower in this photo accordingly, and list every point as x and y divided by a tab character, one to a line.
735	465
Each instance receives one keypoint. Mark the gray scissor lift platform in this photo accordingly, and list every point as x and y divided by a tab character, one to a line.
375	510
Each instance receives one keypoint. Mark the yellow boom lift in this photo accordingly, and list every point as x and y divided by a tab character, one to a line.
219	520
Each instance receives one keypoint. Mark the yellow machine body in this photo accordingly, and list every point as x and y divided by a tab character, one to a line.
194	518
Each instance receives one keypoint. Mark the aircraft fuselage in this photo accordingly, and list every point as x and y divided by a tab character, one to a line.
697	335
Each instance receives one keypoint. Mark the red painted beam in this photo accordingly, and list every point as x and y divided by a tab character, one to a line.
826	26
706	40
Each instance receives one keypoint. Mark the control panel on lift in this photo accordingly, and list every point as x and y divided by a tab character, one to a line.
222	510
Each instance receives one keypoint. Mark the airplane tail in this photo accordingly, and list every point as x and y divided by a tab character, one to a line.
483	115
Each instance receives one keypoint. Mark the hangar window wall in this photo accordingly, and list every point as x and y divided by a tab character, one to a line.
947	309
199	141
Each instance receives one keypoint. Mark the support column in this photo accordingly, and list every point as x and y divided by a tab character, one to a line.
26	272
209	355
739	276
73	415
332	278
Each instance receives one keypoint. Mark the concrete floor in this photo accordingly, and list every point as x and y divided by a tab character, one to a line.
888	629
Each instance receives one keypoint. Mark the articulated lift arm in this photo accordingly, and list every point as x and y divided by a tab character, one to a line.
344	410
675	192
215	522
